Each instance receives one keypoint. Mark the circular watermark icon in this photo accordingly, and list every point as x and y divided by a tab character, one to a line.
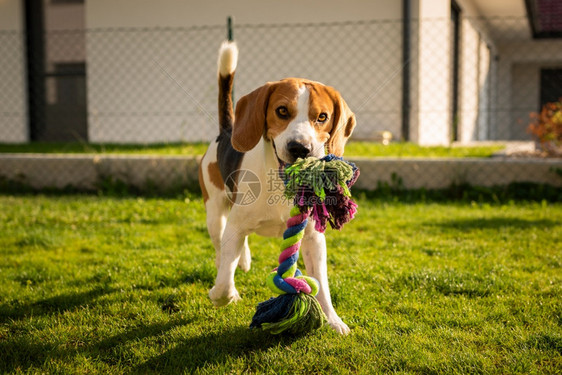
245	187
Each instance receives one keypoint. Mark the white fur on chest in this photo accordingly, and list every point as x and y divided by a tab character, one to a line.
268	214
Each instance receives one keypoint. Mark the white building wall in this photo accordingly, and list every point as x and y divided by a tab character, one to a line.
484	97
524	97
13	117
140	89
432	73
469	77
477	77
139	92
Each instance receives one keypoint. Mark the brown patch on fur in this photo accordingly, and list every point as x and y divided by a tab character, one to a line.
285	94
226	113
320	102
343	123
215	175
249	120
256	110
202	184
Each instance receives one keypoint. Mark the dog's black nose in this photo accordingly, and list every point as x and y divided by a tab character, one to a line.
298	150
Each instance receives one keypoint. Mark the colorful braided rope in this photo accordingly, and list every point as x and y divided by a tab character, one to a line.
319	189
287	278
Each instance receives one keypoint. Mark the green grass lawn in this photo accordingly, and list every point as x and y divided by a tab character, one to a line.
362	149
98	148
111	285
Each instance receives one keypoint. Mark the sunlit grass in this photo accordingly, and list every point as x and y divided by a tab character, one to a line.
111	285
375	149
361	149
197	148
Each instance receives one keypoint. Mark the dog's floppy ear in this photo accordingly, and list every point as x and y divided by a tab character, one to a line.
344	122
250	117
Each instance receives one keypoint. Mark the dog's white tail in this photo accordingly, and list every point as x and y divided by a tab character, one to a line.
228	58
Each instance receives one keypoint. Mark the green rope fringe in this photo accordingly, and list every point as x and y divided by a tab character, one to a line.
312	172
305	315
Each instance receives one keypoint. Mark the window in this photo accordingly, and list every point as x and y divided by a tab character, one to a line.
551	85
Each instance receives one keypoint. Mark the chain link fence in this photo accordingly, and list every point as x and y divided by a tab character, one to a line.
452	82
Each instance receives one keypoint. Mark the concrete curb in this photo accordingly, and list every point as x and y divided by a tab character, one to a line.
439	173
86	171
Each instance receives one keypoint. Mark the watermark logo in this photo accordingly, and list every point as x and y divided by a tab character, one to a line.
246	187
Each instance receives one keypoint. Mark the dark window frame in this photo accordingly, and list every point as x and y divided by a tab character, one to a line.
545	75
65	2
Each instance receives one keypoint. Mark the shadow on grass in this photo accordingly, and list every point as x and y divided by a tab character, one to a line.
23	353
494	223
213	348
56	304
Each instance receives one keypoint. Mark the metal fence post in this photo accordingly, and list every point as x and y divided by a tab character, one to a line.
406	45
230	36
35	60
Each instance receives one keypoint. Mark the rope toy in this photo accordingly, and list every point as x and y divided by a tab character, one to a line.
319	189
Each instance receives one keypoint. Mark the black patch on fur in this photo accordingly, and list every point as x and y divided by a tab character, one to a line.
228	158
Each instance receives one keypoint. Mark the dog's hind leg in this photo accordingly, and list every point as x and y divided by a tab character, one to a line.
232	244
217	210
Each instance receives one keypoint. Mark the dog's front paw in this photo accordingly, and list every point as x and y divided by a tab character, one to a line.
339	326
223	298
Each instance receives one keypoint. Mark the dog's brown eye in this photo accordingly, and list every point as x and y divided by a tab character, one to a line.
322	117
282	112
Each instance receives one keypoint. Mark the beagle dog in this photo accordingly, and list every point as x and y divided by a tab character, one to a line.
240	174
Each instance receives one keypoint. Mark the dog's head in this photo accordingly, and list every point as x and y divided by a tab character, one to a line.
300	117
